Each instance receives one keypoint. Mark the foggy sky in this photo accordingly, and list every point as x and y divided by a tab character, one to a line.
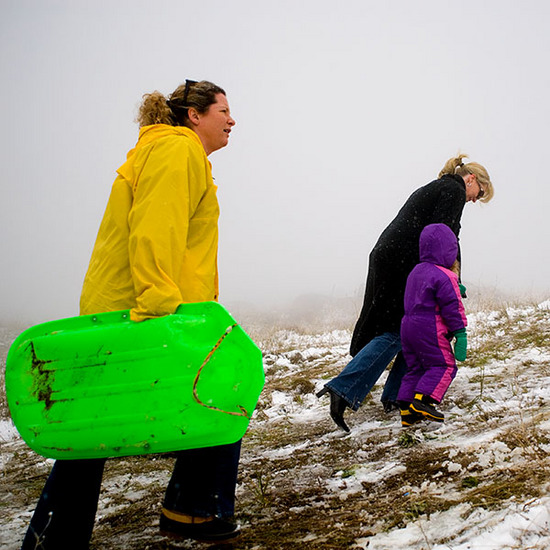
342	109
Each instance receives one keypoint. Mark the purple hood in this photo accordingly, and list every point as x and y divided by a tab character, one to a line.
438	245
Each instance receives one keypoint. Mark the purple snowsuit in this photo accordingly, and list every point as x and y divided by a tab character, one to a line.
433	312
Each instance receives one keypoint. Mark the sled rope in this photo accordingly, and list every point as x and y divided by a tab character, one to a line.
204	363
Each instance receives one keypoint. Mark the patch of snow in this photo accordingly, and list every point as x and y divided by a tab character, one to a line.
8	431
525	525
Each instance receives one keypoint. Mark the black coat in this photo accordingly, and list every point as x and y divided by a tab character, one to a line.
396	253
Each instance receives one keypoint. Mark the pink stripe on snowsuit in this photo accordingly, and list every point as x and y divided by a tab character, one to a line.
449	373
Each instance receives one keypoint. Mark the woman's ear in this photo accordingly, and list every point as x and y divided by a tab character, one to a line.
193	116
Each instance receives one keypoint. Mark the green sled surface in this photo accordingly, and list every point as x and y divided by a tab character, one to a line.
99	386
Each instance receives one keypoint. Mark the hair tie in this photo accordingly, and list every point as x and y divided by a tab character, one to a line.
175	108
179	112
172	105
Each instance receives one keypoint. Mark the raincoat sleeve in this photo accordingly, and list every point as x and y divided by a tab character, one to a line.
166	193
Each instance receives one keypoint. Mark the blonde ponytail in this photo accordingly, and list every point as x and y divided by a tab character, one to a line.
452	165
456	165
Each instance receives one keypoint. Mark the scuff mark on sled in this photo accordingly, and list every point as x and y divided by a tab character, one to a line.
43	379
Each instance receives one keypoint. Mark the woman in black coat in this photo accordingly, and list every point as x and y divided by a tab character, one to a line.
376	339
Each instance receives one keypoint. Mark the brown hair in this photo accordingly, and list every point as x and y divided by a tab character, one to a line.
456	166
157	109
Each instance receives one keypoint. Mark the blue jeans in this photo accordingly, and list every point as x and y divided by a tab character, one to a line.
363	371
202	484
65	514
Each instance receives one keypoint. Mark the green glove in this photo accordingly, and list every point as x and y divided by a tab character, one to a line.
462	290
461	344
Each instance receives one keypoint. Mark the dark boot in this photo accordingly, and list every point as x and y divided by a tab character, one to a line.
409	417
337	408
390	406
212	529
423	405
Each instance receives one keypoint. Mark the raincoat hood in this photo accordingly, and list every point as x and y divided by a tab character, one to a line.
149	134
438	245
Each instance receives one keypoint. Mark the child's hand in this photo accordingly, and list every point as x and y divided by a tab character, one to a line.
462	290
461	344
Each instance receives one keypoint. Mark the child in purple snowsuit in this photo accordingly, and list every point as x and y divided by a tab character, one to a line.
434	315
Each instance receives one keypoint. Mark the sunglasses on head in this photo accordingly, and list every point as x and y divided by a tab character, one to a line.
188	84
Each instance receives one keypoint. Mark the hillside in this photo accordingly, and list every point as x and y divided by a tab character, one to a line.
479	481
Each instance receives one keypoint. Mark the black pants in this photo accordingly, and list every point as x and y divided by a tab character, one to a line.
203	483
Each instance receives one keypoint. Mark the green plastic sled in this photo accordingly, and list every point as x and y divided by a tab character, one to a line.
99	386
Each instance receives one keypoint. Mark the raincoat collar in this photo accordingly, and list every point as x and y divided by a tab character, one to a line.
148	134
151	133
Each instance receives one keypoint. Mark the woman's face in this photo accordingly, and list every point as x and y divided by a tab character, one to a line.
214	126
474	191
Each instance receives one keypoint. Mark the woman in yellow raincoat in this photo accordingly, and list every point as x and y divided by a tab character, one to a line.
156	248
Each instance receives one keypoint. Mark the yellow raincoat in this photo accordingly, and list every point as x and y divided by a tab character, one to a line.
157	244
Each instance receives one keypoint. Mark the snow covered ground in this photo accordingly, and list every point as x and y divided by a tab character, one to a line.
480	481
